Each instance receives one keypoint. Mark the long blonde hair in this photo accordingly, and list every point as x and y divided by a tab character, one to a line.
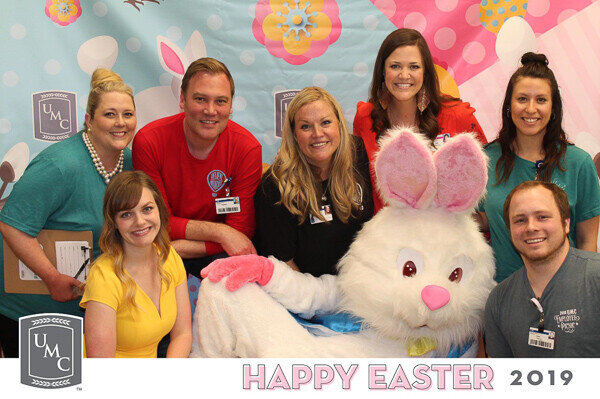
124	192
300	191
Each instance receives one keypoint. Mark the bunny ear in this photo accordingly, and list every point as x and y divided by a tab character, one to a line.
195	47
461	173
405	170
171	57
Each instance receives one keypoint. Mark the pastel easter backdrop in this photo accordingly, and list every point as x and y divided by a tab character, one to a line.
273	47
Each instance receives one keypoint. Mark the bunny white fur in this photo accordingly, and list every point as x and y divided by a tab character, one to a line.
416	227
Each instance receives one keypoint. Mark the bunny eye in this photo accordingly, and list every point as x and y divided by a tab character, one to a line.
456	275
409	269
410	262
462	269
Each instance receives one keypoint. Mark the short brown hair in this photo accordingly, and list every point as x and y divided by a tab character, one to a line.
560	198
206	65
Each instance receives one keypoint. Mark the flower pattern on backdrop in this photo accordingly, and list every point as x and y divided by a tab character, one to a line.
63	12
297	30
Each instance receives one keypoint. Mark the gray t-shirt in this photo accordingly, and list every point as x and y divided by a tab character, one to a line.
571	303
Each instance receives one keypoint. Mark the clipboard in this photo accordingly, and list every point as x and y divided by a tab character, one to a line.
13	283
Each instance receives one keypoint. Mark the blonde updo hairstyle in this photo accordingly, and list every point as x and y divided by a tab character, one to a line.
105	81
300	191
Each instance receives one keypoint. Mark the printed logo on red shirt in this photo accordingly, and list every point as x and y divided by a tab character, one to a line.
216	180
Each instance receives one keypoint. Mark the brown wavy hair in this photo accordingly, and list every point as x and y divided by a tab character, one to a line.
124	192
427	120
554	144
300	191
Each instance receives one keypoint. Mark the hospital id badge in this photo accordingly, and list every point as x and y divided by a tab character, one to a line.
227	205
543	339
325	212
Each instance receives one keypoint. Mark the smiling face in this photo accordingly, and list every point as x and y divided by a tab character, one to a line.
318	134
113	124
207	105
536	227
139	226
531	106
404	72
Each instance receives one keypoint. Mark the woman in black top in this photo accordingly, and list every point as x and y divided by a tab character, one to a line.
317	193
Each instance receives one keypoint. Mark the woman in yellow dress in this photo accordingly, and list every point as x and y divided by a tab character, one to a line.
136	292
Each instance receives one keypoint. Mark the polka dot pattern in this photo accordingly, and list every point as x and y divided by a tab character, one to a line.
493	13
52	67
100	9
446	5
360	69
247	57
10	78
370	22
214	22
387	7
174	33
320	80
444	38
18	31
566	14
473	52
5	126
415	20
239	103
133	44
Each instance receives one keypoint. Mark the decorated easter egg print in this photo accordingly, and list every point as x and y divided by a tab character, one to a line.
493	13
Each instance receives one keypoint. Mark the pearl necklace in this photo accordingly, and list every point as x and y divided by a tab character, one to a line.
98	163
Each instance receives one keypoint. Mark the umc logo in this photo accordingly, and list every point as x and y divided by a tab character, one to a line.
50	350
282	100
54	115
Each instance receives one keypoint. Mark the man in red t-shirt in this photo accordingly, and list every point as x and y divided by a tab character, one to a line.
206	166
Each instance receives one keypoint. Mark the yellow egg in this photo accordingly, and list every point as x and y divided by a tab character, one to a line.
447	83
493	13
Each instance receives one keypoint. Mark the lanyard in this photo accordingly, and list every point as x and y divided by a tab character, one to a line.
538	306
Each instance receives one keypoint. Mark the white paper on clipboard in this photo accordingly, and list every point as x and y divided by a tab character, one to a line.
70	256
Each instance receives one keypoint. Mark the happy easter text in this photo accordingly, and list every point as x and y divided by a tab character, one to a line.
378	377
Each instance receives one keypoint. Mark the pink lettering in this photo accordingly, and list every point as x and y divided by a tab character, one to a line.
278	380
484	375
441	370
461	381
376	380
258	379
301	375
424	381
323	375
399	380
346	376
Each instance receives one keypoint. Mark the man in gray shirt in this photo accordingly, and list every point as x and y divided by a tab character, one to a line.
551	306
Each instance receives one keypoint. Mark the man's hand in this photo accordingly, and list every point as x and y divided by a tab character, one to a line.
234	242
63	288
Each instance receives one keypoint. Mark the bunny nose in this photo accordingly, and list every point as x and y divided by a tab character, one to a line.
435	296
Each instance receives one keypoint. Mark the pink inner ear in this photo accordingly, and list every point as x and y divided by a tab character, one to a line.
405	171
462	173
171	59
